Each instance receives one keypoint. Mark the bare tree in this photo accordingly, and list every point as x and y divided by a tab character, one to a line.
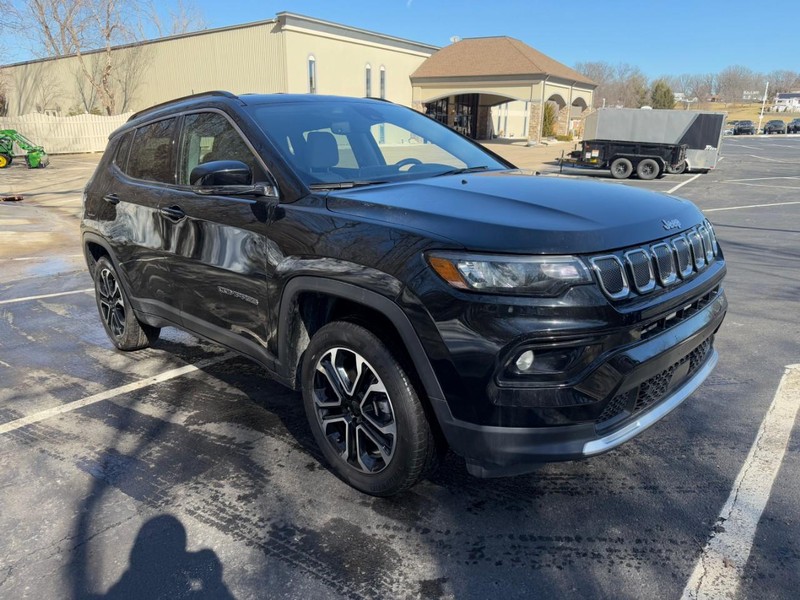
620	85
783	81
735	80
90	30
182	19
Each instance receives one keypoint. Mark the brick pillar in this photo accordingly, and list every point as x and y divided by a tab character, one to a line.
533	122
451	111
562	122
484	123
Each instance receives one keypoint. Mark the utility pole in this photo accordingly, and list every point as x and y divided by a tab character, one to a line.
763	102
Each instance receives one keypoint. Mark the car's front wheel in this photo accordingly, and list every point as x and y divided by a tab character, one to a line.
364	411
116	313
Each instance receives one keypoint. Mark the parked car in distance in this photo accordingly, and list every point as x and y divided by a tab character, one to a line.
418	289
744	128
793	126
730	126
774	126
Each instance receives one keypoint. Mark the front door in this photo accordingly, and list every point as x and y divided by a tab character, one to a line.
218	243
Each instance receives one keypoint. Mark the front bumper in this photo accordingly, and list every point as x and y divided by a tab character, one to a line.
645	381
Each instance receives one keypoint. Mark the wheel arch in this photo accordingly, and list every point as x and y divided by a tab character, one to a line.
309	303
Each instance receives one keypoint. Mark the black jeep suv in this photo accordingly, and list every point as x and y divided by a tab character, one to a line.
420	290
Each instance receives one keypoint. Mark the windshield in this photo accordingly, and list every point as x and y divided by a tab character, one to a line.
341	142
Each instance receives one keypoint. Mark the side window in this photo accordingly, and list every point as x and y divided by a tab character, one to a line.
210	136
151	153
123	150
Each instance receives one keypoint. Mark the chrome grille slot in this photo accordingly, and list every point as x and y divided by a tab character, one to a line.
641	270
698	252
683	255
611	275
707	244
665	264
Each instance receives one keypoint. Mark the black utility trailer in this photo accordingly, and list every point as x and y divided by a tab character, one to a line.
623	159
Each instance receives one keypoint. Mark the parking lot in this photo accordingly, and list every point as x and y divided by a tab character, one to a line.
124	475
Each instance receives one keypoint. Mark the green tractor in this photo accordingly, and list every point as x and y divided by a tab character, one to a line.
36	157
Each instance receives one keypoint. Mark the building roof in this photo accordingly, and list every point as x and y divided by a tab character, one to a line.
494	56
788	96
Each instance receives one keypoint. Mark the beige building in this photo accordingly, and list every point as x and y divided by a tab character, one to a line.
483	87
496	86
290	53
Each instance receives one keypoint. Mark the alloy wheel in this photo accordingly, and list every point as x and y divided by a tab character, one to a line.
112	305
354	410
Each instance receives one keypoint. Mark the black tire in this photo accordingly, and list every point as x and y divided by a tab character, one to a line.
621	168
647	169
119	320
366	417
679	170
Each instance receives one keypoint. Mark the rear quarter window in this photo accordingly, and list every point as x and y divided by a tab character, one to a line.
151	152
123	150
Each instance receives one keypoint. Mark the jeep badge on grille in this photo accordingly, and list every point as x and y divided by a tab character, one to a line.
671	224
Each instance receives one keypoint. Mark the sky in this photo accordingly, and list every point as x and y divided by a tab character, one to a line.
661	38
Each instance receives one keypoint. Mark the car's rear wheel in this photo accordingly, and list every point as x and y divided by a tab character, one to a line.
647	169
119	320
621	168
363	410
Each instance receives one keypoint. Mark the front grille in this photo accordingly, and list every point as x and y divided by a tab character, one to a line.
652	391
612	276
640	270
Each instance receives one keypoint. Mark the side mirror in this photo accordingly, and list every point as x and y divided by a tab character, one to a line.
220	173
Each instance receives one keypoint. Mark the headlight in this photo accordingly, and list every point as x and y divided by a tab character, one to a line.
534	275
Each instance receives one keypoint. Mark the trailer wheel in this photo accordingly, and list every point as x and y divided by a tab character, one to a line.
677	170
621	168
647	169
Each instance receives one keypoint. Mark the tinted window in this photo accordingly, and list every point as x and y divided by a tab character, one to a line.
151	154
210	136
340	140
123	150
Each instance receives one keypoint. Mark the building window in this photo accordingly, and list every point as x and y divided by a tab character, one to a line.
383	82
368	81
312	75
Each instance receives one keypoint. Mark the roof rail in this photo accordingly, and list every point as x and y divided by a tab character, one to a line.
221	93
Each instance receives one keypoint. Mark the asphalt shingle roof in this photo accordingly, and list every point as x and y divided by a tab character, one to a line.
476	57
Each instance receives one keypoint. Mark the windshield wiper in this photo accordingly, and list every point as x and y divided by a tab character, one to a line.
342	185
463	170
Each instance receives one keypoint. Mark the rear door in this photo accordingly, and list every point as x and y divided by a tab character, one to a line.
217	244
144	166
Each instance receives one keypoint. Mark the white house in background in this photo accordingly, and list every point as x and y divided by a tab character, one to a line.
788	102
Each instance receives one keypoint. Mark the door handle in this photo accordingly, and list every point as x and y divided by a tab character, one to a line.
174	213
111	198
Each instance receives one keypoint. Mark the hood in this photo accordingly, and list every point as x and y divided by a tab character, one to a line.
513	212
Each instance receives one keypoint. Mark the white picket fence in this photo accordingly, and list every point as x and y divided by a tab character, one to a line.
65	135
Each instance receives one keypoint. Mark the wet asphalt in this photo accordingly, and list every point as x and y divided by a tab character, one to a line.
208	485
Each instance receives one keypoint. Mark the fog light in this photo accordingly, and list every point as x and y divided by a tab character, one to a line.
525	360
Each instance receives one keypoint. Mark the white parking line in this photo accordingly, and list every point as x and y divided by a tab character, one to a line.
761	185
719	570
680	185
751	206
762	178
787	162
117	391
39	257
27	298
